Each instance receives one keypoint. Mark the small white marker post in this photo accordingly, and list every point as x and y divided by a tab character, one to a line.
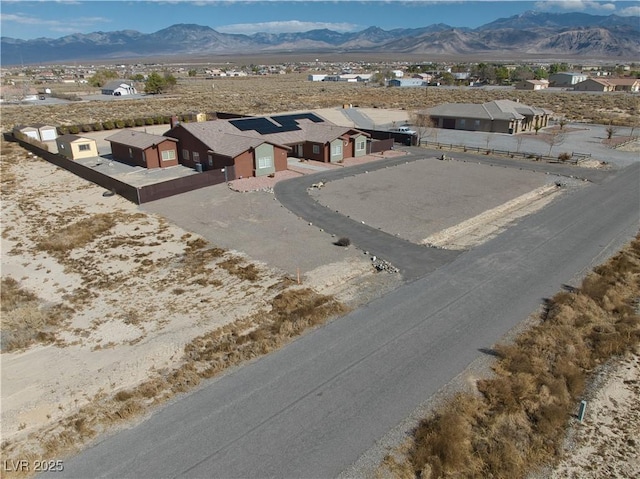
582	410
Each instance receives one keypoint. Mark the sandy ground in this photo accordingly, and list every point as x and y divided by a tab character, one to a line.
607	442
135	302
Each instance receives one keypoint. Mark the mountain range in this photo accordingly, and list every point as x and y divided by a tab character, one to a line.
531	33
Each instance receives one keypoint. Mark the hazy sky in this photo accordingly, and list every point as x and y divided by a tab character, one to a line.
54	19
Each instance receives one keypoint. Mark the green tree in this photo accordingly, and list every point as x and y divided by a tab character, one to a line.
540	74
522	73
169	81
502	74
193	73
155	84
102	77
447	78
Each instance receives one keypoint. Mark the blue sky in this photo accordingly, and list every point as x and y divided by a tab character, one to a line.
53	19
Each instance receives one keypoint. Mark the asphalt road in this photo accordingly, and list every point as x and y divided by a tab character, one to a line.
313	407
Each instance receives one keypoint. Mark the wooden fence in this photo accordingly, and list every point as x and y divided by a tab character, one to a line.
137	195
576	157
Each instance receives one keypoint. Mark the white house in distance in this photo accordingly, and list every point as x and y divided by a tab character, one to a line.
564	79
119	87
76	147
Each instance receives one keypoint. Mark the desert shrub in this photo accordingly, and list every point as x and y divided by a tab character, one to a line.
78	234
139	122
149	121
87	128
161	120
119	124
108	125
123	395
74	129
129	122
564	156
63	130
343	242
518	421
97	126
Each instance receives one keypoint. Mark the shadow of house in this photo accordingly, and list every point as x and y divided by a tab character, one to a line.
144	149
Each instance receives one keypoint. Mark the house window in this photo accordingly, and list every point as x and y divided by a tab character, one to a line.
196	157
337	149
130	153
83	147
210	158
316	149
168	155
185	155
476	124
462	122
265	162
360	146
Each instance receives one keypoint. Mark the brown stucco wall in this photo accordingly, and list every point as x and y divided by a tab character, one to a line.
244	164
280	158
166	145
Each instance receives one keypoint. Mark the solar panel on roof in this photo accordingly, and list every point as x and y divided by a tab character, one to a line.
288	119
264	126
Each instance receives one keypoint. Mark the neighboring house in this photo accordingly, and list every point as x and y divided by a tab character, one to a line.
566	79
423	76
532	85
258	146
76	147
498	116
406	82
144	149
38	132
595	84
316	77
119	87
625	84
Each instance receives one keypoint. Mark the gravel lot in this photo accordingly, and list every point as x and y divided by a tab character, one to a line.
256	224
417	199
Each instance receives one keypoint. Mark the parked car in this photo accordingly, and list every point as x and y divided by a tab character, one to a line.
403	129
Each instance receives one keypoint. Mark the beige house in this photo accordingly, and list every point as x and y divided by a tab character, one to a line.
76	147
498	116
595	84
532	85
625	84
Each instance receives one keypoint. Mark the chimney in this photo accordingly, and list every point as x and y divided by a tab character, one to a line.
174	121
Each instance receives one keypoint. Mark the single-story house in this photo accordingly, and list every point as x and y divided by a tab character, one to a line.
144	149
498	116
595	84
427	77
532	85
566	79
38	131
119	87
625	84
258	146
76	147
406	82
